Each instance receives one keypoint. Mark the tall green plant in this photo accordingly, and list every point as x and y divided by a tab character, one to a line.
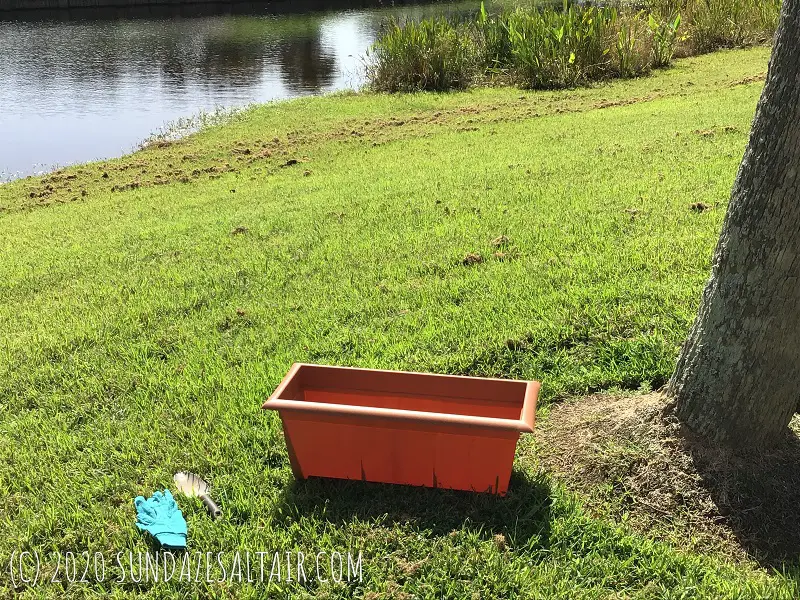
432	54
559	49
720	23
493	36
549	48
665	38
633	46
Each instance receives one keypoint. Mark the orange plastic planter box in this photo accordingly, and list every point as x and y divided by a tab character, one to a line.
409	428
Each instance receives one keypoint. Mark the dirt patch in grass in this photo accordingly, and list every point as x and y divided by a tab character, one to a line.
635	463
471	258
699	207
750	79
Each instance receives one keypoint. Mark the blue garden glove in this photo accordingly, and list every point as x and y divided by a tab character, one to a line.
162	518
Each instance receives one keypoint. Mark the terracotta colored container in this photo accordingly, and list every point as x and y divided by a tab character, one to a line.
409	428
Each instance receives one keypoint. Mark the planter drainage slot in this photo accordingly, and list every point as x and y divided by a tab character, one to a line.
420	429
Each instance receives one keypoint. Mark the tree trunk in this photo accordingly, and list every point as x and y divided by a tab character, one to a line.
737	380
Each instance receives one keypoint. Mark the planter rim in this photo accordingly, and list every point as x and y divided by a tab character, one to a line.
369	413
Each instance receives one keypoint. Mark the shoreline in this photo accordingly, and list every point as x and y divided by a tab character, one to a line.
331	103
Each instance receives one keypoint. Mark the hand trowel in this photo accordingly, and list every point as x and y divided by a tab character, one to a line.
192	485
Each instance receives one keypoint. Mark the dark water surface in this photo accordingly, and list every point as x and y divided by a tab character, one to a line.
83	85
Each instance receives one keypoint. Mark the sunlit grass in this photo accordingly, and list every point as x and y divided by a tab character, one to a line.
142	329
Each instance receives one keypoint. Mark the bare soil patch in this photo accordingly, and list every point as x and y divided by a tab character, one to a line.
635	463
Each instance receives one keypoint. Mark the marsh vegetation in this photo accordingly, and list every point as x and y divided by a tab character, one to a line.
556	47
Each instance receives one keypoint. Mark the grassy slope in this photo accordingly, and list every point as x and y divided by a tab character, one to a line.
139	335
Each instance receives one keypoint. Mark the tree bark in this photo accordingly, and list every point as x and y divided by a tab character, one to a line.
737	379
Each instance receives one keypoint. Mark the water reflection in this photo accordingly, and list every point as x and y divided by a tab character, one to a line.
305	65
76	87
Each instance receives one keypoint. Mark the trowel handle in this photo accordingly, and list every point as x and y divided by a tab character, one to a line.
212	507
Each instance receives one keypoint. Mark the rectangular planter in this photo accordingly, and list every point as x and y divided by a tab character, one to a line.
440	431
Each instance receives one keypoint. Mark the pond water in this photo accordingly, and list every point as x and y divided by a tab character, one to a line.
83	85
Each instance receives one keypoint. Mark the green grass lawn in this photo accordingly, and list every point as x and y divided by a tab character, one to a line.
142	328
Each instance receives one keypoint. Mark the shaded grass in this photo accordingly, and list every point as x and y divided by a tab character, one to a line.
141	329
633	462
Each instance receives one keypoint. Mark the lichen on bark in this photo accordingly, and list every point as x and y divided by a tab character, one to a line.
737	379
